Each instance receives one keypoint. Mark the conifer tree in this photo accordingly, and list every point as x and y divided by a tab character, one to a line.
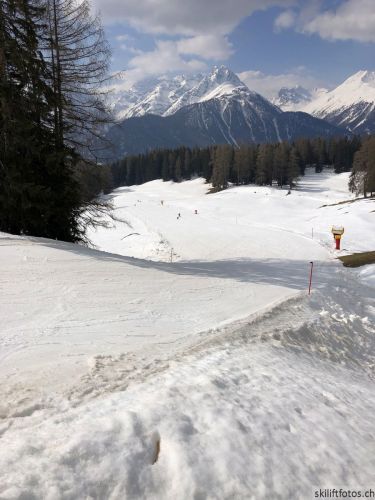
241	165
280	163
293	170
178	169
264	165
26	190
221	165
77	56
362	179
43	117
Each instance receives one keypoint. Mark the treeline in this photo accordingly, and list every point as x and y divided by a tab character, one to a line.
362	178
262	164
53	61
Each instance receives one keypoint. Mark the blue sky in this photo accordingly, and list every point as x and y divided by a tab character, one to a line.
270	43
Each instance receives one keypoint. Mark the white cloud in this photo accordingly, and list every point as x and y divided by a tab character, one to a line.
130	49
165	58
269	85
285	20
183	17
200	30
124	38
169	56
126	43
352	20
201	26
214	47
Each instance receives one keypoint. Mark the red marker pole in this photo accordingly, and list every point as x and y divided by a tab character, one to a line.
311	273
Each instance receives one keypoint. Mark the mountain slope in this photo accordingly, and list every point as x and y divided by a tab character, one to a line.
350	105
221	81
217	108
153	95
239	116
296	98
163	97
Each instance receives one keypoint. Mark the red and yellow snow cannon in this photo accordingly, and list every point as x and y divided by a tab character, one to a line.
337	234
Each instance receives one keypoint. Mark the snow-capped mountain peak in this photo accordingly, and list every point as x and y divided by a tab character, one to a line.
219	82
164	96
361	78
351	104
289	99
359	87
297	97
149	96
222	74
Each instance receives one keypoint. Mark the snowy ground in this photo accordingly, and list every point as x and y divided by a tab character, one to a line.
217	365
242	222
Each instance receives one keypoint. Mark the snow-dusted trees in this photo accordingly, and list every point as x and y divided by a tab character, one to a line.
362	179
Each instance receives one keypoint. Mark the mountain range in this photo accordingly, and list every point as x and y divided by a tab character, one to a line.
351	105
219	108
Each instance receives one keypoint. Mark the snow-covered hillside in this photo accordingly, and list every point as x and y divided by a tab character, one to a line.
296	98
187	361
350	105
228	225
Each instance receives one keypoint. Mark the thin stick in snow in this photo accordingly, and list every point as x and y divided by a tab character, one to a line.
311	273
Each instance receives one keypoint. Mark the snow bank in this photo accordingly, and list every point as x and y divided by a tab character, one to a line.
238	423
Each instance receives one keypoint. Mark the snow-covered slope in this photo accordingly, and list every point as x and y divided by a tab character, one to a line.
296	98
164	96
154	95
350	105
233	215
214	375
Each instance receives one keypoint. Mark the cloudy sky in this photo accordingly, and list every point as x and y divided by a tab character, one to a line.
270	43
